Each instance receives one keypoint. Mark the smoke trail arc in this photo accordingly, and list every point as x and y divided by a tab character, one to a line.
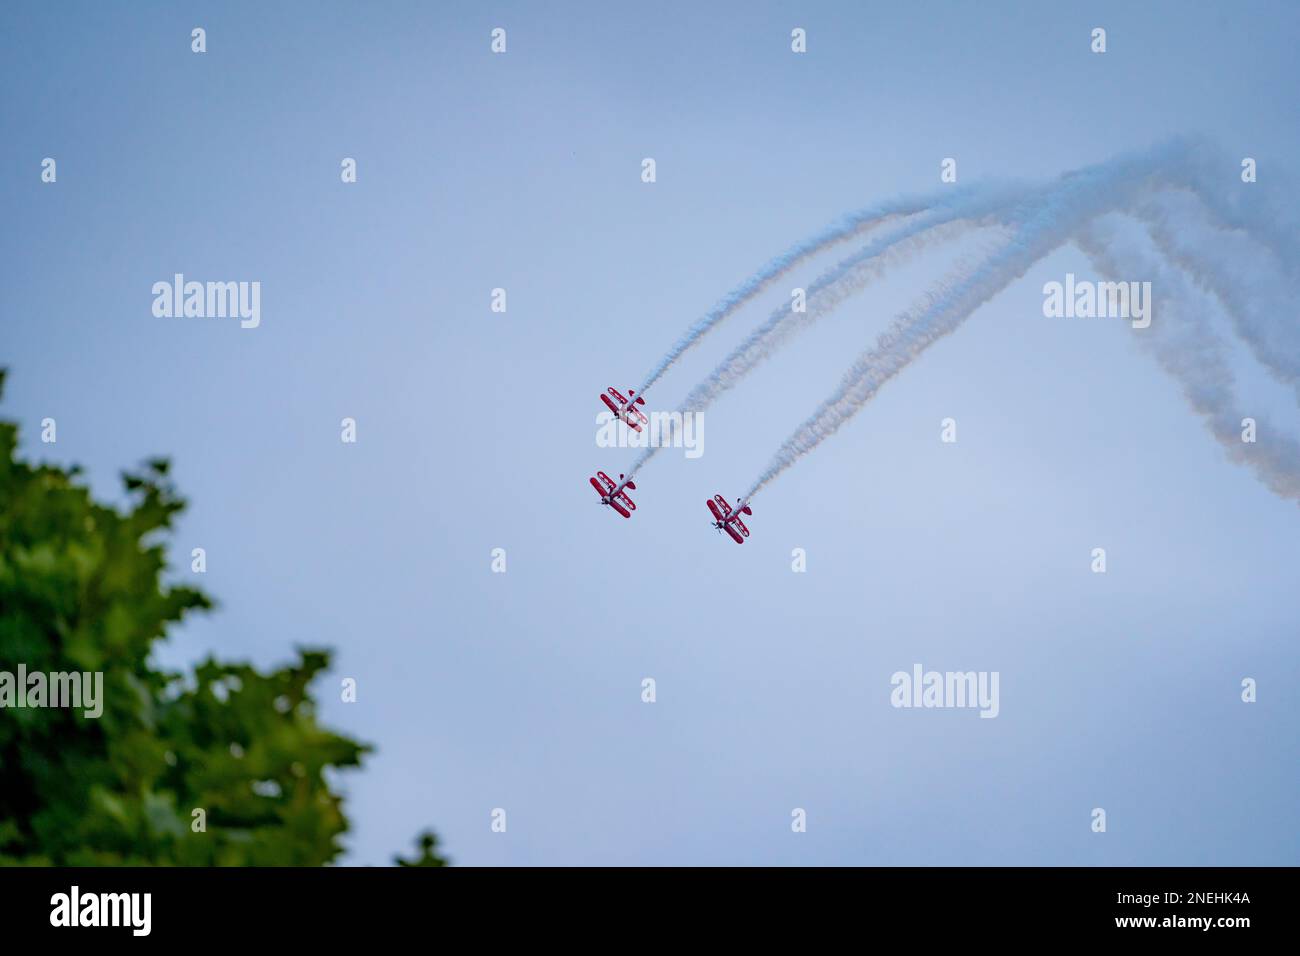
1078	198
843	229
1234	267
1188	348
943	221
1212	245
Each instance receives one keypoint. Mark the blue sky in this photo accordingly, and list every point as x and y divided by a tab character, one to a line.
476	430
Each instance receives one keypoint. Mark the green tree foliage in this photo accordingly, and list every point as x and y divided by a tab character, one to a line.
428	856
224	766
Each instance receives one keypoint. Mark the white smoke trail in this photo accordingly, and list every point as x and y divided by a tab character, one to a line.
909	334
1202	171
1239	272
843	229
1077	198
827	292
944	220
1262	210
1182	339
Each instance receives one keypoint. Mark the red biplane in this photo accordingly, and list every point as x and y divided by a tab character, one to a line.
612	494
729	521
625	409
